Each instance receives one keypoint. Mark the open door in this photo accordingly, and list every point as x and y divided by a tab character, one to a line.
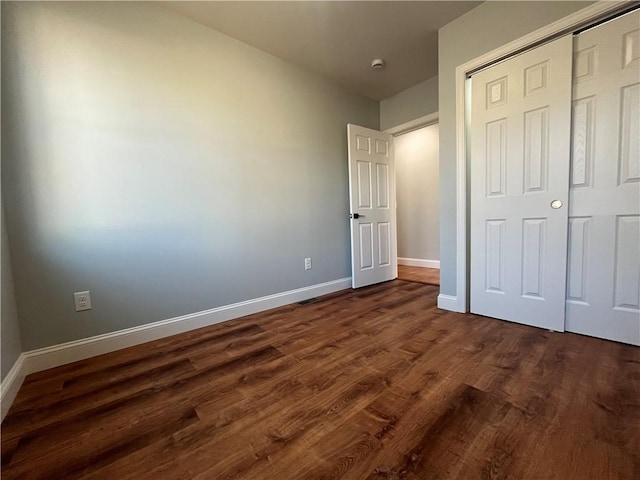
372	195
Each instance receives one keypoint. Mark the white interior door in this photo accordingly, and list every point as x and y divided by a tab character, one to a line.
603	284
373	206
520	148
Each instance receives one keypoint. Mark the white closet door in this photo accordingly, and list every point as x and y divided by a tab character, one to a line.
603	284
521	117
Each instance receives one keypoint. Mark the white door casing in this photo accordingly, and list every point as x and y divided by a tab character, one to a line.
373	201
520	147
603	276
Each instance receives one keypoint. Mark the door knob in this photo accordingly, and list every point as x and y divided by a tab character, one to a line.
355	215
556	204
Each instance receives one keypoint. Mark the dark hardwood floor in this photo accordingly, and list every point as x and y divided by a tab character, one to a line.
430	276
369	384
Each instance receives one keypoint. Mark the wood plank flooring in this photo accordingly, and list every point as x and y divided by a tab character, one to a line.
370	384
430	276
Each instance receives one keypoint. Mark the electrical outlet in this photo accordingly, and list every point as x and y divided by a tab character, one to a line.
82	301
307	263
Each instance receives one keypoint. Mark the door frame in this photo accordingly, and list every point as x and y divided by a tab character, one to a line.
569	24
416	124
407	127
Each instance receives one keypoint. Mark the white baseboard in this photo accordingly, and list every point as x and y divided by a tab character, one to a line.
418	262
56	355
450	302
10	386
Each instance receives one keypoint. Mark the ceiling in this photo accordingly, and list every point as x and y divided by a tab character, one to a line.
340	39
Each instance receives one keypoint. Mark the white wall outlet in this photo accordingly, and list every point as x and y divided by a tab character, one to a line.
82	301
307	263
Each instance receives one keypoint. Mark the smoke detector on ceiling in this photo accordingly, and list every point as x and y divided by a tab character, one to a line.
377	64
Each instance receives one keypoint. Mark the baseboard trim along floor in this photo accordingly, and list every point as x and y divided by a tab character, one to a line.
418	262
56	355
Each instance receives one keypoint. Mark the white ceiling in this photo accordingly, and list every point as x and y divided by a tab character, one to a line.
340	39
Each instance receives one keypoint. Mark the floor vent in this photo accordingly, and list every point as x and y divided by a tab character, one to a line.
308	300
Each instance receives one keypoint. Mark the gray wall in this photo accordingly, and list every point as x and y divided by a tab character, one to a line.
412	103
479	31
418	215
163	166
11	347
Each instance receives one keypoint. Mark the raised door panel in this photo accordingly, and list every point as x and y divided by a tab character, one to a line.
364	184
382	147
582	146
631	48
382	190
630	134
536	150
384	242
496	157
533	257
536	78
626	292
495	245
577	264
366	246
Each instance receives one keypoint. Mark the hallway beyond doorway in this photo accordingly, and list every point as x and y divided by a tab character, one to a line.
430	276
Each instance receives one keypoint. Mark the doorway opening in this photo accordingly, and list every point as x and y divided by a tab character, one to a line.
417	196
